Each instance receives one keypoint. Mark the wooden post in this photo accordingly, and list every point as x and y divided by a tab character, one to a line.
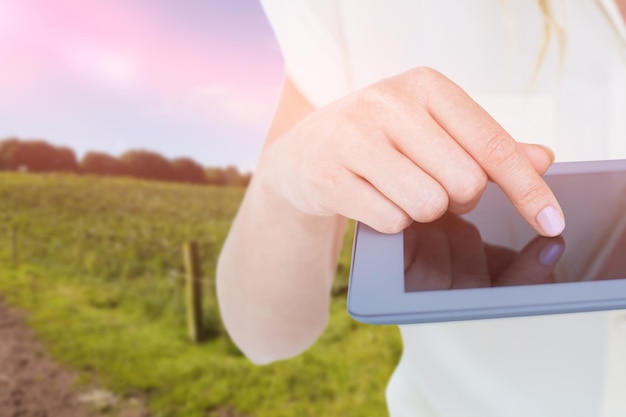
193	293
13	234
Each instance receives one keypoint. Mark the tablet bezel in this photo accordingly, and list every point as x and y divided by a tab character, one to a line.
384	301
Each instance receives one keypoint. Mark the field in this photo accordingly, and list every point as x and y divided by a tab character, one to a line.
97	263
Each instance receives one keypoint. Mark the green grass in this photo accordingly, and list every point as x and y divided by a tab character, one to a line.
98	264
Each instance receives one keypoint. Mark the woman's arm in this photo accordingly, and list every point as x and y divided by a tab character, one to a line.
275	271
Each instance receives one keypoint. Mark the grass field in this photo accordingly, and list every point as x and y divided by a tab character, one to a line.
97	263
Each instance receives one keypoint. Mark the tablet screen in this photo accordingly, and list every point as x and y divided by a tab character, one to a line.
491	263
451	254
456	252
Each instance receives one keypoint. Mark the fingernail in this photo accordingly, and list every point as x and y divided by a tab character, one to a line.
550	254
550	221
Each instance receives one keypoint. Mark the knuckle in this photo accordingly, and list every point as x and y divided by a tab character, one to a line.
372	95
375	98
458	208
431	208
498	148
425	78
398	222
469	188
529	196
394	222
424	74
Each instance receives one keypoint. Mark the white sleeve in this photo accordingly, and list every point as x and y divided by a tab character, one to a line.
310	35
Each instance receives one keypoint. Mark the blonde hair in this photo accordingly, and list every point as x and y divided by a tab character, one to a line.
550	27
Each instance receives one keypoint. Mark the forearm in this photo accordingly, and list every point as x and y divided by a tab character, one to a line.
274	275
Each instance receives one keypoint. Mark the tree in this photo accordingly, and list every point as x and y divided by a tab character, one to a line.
40	156
36	156
64	159
227	176
188	170
235	178
215	176
8	147
147	165
100	163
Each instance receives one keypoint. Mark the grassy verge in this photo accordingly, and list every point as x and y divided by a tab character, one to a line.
98	267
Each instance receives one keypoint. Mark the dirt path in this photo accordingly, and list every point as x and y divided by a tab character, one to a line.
31	385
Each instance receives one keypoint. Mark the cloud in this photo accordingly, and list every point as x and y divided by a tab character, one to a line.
9	20
121	43
113	68
238	106
221	104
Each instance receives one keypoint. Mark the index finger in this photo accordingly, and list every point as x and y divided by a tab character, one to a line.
496	152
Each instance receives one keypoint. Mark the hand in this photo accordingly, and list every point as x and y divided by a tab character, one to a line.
449	253
406	148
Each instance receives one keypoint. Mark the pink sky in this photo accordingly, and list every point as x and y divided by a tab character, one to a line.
182	78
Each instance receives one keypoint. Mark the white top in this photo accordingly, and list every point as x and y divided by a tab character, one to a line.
567	365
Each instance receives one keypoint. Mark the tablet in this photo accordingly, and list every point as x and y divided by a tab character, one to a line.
489	263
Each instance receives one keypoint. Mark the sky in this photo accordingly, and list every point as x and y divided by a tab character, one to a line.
197	78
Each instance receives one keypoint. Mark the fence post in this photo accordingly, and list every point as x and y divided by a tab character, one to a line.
193	291
13	233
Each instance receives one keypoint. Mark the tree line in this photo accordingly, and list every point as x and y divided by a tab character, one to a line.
41	156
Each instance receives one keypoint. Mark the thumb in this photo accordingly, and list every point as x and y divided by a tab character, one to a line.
540	156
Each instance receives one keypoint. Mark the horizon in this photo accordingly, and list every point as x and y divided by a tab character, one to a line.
118	156
190	79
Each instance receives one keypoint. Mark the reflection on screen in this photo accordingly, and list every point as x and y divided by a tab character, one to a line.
494	247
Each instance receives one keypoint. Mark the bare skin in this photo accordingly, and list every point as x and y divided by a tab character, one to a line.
408	148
